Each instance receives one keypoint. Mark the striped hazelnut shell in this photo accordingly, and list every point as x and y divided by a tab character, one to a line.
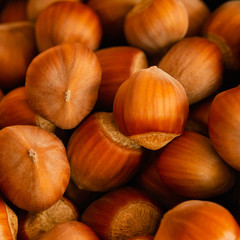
68	22
34	170
154	25
222	27
62	84
151	107
118	64
101	158
197	64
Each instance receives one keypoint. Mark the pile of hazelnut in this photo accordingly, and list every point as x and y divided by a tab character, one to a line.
119	120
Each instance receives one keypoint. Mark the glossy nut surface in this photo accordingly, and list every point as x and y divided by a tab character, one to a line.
34	170
151	107
101	158
62	84
195	220
223	125
68	22
154	25
191	167
197	64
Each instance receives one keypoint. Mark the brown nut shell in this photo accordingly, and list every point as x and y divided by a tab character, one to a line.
149	181
35	7
34	170
17	49
8	222
62	84
68	22
223	125
222	27
197	64
154	25
118	64
197	220
122	214
101	158
198	12
191	167
71	230
15	110
151	107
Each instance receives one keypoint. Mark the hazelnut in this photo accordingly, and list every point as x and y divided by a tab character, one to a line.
223	125
154	25
197	64
33	224
198	12
68	22
15	110
222	27
34	170
100	157
118	64
8	222
191	167
151	108
62	84
195	220
122	214
71	230
35	7
17	49
148	180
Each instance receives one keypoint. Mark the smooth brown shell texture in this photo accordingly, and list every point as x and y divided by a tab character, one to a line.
223	125
198	12
17	49
118	64
151	107
191	167
35	7
62	84
34	170
197	220
154	25
101	158
148	180
72	230
15	110
222	27
122	214
68	22
197	64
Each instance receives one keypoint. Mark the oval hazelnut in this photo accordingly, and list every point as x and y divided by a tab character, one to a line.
151	108
195	220
68	22
101	158
34	170
62	84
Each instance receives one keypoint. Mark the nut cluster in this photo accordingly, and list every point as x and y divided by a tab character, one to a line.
119	120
